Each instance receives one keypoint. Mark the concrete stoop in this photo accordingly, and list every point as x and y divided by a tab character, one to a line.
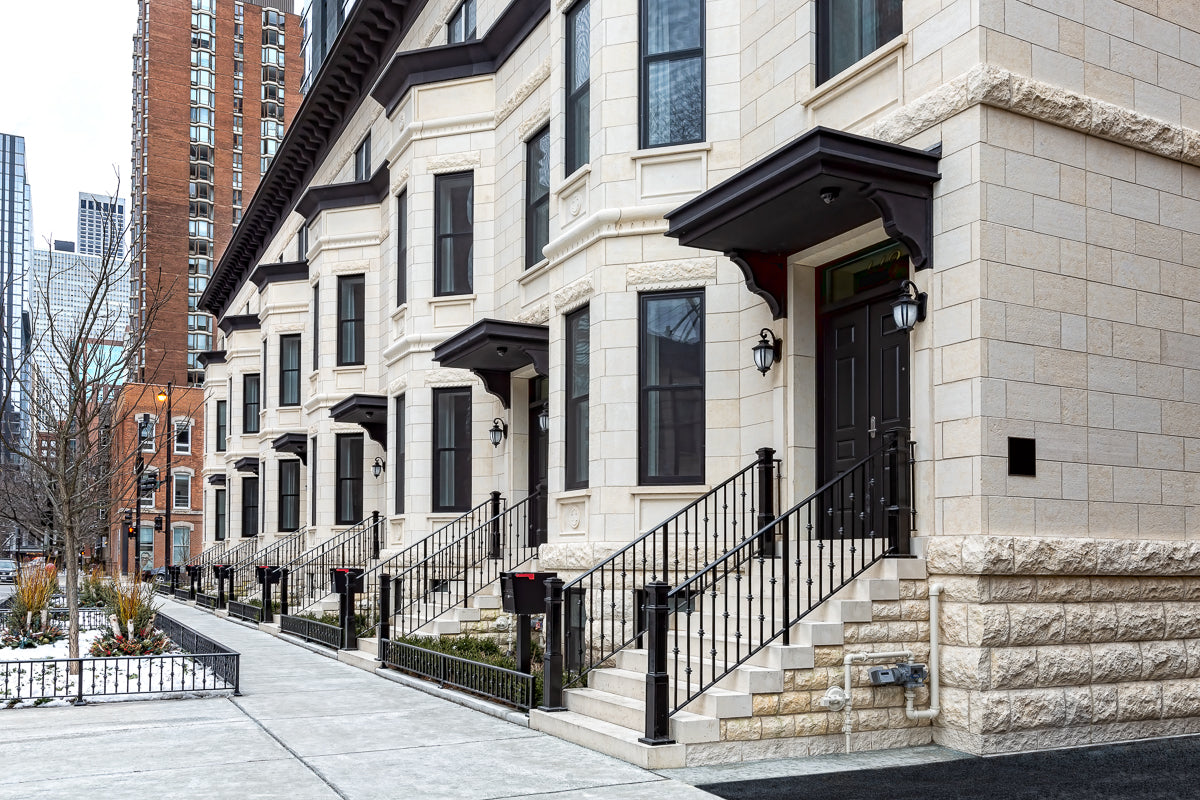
608	715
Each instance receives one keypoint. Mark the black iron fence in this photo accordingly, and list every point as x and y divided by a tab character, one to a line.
244	611
308	575
233	555
204	666
449	576
503	685
714	621
366	603
210	556
207	601
311	630
279	553
603	607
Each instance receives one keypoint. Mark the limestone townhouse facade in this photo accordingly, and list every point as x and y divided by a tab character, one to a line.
529	247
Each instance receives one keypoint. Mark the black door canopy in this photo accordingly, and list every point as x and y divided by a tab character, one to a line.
493	349
368	411
821	185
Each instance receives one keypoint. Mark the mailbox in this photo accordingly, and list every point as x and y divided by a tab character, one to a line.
344	579
524	592
173	571
217	571
265	573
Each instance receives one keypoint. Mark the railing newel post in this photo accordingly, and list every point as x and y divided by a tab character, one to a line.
375	534
385	602
494	508
658	719
765	499
552	658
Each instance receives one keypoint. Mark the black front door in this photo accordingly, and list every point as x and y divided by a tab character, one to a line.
538	449
863	374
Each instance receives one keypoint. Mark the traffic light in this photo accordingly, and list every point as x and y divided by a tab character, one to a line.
158	522
129	530
147	483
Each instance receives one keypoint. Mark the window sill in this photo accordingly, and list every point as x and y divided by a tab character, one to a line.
851	73
572	181
660	489
346	369
671	150
443	299
533	273
400	312
574	494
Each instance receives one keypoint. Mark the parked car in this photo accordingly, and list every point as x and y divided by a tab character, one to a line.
156	575
8	570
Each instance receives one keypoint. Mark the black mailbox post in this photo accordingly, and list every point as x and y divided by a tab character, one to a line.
524	594
347	582
267	575
193	581
219	574
173	571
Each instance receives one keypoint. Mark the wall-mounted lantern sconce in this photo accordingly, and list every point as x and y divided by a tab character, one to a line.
498	433
379	467
909	308
544	418
767	351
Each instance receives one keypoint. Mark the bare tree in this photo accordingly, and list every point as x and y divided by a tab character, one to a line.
60	474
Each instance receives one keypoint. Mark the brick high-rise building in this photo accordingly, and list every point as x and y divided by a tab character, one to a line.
215	82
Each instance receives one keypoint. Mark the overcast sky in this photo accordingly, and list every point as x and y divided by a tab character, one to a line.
66	87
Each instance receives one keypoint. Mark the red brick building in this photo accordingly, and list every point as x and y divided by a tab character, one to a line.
215	84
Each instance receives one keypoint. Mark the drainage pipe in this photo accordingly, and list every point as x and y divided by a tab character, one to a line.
850	660
935	705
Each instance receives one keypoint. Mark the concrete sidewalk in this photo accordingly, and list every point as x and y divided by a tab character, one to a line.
305	727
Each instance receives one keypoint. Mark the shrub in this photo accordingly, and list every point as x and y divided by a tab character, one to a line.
132	600
34	588
144	642
94	589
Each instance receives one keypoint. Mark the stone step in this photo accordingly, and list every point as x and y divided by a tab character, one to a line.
361	658
630	712
749	678
605	737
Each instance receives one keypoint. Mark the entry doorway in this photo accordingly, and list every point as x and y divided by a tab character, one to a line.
539	440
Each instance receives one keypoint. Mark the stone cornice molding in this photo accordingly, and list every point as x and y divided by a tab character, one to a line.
990	85
538	314
573	295
674	274
456	162
522	92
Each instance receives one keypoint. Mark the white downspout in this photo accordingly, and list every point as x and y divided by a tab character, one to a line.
935	705
935	592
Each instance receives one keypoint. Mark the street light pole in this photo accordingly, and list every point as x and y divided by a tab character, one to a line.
170	482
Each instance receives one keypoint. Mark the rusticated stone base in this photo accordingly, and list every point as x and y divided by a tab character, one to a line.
1076	736
801	747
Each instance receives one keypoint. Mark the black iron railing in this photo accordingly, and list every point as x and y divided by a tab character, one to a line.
204	665
233	555
310	630
90	619
366	603
737	605
183	594
602	606
243	611
449	576
207	601
308	575
210	556
504	685
276	554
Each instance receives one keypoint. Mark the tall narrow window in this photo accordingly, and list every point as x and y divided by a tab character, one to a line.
461	26
220	520
848	30
222	424
362	159
263	399
537	196
316	327
398	466
145	428
289	370
312	480
579	72
181	549
402	248
452	449
302	243
249	506
672	72
250	401
671	388
349	478
183	437
289	495
454	225
146	491
183	490
351	295
579	361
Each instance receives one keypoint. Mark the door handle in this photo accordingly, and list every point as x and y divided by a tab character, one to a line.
872	430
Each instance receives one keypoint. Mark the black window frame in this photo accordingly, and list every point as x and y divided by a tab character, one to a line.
460	451
289	501
362	159
222	425
646	60
349	478
220	516
577	448
577	147
459	18
398	462
250	410
302	243
647	390
893	11
312	480
289	377
356	325
316	326
457	284
537	207
402	248
250	507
